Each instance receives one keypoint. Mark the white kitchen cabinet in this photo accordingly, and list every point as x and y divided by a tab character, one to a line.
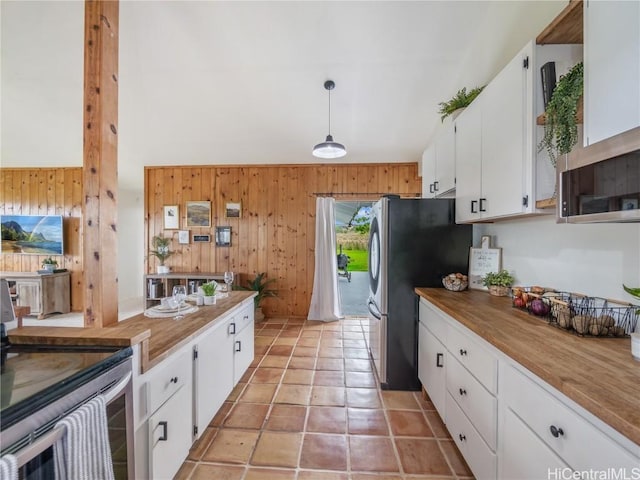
170	435
242	353
438	163
497	162
213	373
431	372
611	68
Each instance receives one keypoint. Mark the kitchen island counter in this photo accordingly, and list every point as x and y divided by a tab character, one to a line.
599	374
159	337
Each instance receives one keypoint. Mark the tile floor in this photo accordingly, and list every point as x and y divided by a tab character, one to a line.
309	408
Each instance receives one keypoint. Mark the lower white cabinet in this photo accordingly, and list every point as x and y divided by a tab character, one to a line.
242	353
170	435
212	373
507	422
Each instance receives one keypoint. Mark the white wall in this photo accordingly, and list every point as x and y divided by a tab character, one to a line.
594	259
131	251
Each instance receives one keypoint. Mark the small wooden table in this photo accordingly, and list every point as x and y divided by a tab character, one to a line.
21	312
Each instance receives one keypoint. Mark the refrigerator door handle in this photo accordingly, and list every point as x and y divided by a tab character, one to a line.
373	310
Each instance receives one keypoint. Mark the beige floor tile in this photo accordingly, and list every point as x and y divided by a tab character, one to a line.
330	364
351	343
363	398
256	360
277	449
317	475
284	350
424	401
293	394
329	378
260	349
290	334
260	340
331	343
246	377
409	423
437	425
421	456
274	361
399	400
289	341
366	421
361	379
221	414
375	476
288	418
220	472
298	376
258	393
236	392
202	444
361	353
247	415
254	473
327	420
302	362
455	458
232	446
331	352
267	375
273	332
305	352
357	365
372	454
324	452
328	396
310	333
353	336
308	342
185	470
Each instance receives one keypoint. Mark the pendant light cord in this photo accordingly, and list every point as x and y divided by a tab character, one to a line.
329	111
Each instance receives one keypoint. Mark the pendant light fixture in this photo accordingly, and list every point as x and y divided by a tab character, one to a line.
329	148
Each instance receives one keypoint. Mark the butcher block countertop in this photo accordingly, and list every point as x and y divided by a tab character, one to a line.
159	337
597	373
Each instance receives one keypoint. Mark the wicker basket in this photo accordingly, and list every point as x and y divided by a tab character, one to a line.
457	285
499	291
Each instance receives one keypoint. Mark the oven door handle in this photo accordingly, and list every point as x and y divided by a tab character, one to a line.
48	439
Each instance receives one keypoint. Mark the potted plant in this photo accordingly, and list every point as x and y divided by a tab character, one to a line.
498	283
161	250
49	264
460	100
560	125
259	284
209	292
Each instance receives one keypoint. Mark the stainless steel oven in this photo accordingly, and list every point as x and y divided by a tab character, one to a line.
36	404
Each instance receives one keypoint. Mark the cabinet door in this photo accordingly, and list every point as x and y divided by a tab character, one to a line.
445	159
243	352
523	454
213	373
611	68
429	172
431	371
504	139
29	295
468	150
170	435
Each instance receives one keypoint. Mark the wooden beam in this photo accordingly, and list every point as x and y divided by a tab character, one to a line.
100	174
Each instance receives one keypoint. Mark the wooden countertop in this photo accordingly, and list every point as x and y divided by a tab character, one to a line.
159	337
597	373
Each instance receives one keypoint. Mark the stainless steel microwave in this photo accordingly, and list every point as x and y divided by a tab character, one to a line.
601	182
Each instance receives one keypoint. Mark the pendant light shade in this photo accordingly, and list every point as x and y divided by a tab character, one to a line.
329	148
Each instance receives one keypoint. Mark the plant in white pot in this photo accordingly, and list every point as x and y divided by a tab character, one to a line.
161	251
209	292
49	264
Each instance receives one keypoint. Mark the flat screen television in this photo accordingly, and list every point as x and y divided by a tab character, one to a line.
32	234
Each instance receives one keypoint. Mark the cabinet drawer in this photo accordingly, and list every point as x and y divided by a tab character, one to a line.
432	320
475	357
475	451
477	403
579	443
242	319
170	376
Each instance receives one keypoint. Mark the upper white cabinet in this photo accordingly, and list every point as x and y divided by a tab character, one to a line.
611	68
438	163
499	171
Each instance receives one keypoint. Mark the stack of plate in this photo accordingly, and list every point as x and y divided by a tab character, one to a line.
165	311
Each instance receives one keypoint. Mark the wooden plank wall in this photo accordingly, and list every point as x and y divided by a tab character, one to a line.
276	232
46	191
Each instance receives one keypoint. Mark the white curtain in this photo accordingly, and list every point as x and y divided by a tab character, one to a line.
325	298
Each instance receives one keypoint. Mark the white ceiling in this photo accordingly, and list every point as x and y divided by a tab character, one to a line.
242	82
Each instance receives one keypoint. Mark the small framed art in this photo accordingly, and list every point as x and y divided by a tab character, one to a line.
183	236
233	210
171	217
204	238
629	204
198	214
223	236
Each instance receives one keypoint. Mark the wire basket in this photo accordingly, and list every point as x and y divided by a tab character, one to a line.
593	316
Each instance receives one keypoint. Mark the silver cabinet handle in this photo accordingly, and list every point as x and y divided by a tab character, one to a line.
165	431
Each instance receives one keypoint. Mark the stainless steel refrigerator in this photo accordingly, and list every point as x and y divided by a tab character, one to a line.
412	243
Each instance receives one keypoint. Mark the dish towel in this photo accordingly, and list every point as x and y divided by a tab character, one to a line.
8	467
83	452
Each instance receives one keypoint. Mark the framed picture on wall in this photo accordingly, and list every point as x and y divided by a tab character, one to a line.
198	214
233	210
183	236
171	217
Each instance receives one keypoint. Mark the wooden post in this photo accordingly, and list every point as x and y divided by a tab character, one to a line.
100	172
